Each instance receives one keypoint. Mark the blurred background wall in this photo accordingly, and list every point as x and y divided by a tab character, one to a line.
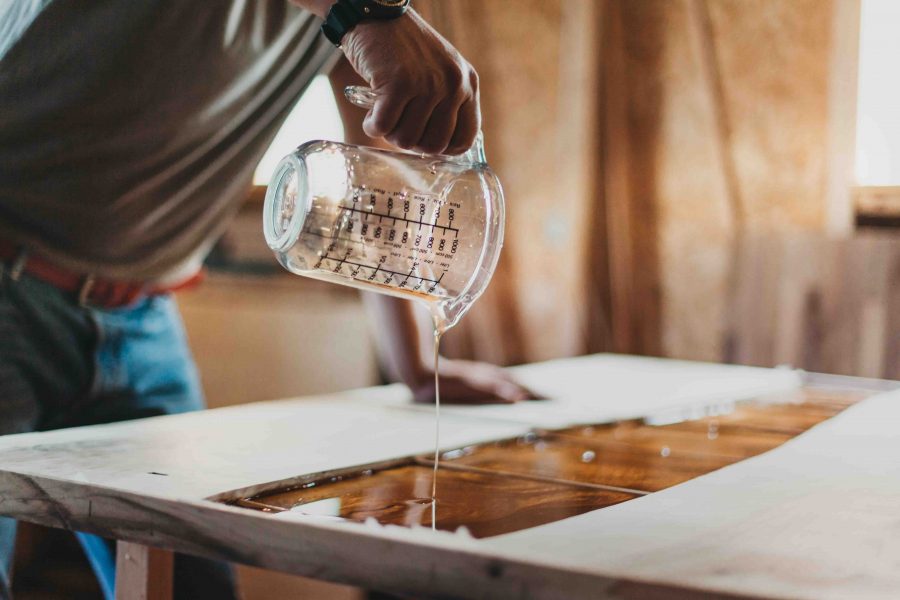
638	145
667	161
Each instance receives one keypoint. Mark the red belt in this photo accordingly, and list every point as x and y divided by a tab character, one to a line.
95	291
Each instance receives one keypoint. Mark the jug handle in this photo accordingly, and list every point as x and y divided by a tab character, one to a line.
364	97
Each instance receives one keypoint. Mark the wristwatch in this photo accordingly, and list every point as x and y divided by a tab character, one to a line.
345	14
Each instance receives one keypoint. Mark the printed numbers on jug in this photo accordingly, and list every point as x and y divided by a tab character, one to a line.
375	216
394	238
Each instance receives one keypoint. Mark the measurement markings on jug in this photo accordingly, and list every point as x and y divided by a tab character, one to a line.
391	275
418	222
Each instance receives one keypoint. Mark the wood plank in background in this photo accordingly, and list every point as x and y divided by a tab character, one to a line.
143	572
819	303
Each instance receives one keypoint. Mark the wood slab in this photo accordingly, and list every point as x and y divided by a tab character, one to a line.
814	518
608	387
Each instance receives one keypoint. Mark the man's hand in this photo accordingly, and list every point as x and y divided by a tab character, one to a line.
465	382
427	92
407	355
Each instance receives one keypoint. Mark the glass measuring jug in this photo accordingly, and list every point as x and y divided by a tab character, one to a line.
409	225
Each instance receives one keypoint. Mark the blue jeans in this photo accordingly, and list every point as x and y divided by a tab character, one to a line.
65	365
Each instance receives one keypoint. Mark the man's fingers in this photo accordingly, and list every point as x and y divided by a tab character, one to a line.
385	115
409	129
412	69
527	393
468	122
510	392
440	128
478	394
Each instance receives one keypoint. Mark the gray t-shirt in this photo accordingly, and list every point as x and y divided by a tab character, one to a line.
130	129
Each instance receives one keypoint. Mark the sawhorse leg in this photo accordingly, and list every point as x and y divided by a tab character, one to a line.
142	572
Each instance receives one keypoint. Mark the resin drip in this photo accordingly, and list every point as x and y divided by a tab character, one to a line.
441	324
437	427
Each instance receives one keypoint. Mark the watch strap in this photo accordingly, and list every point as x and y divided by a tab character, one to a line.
342	17
345	14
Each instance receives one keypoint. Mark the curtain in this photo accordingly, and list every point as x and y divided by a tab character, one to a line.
639	141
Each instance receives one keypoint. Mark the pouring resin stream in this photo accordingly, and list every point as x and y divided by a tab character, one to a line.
427	228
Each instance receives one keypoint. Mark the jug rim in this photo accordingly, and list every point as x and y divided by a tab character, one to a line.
290	166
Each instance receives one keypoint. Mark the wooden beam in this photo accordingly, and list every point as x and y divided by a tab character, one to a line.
627	221
702	38
143	572
842	95
615	215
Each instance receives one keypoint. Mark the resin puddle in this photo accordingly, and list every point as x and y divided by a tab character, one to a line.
546	476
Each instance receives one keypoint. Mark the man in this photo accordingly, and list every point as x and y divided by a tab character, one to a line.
129	132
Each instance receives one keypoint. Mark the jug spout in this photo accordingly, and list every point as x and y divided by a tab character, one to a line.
447	314
474	155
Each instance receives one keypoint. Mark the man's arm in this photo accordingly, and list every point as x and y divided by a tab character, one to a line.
427	92
405	350
407	353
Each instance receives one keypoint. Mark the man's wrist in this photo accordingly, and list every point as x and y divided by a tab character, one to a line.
418	375
345	15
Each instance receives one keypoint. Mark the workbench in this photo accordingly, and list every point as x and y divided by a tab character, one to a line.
814	518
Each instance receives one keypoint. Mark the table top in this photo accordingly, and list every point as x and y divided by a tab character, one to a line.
813	518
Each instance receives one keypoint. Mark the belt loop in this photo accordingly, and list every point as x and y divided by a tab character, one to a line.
18	265
86	286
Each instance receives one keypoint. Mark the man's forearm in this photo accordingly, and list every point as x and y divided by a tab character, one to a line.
398	339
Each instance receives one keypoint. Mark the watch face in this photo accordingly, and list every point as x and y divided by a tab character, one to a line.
380	9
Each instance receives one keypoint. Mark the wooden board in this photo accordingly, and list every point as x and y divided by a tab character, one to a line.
776	525
819	303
